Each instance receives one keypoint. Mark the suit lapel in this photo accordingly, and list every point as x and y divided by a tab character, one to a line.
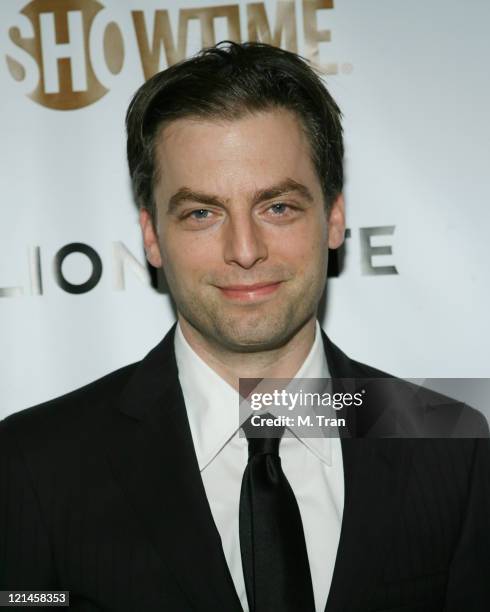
152	456
375	472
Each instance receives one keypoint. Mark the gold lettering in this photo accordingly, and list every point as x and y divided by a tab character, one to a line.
259	27
57	12
16	70
313	35
113	48
206	17
162	33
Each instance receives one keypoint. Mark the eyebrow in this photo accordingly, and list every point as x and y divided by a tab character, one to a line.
184	194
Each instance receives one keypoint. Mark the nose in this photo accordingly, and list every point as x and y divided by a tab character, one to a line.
244	243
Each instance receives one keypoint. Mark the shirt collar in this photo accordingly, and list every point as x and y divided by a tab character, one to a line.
212	404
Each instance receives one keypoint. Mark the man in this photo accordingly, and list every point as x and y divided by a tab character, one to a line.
138	492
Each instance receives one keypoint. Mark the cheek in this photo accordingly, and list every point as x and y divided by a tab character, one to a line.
304	247
186	257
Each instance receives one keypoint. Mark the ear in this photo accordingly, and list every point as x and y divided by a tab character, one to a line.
336	223
150	239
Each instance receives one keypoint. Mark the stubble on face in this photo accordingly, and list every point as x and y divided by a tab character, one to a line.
241	245
251	328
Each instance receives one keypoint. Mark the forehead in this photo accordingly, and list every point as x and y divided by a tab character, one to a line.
246	153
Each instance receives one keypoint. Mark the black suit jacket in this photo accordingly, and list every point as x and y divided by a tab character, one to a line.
101	495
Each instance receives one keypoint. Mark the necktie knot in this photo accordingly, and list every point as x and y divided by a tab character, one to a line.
263	438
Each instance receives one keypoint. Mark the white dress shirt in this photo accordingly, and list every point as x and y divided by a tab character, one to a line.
313	466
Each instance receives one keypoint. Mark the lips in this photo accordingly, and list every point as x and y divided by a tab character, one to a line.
250	292
249	287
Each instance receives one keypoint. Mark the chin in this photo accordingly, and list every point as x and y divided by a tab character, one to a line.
249	330
248	338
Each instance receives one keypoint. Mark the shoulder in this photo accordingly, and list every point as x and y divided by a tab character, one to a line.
77	418
70	413
396	407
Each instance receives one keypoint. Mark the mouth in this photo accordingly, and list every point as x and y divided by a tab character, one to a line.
249	293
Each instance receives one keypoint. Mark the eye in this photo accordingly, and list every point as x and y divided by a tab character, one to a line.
283	213
279	208
201	213
199	218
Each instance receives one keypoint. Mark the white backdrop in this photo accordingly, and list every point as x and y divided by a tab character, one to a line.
412	79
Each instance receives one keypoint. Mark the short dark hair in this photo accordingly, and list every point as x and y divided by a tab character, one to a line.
228	81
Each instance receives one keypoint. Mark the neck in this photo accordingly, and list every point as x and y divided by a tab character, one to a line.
282	362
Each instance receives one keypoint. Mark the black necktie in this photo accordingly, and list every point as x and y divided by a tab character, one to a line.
272	542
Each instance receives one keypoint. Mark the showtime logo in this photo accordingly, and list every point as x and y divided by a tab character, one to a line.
71	50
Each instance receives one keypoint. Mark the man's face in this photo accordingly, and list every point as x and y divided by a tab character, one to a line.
239	204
